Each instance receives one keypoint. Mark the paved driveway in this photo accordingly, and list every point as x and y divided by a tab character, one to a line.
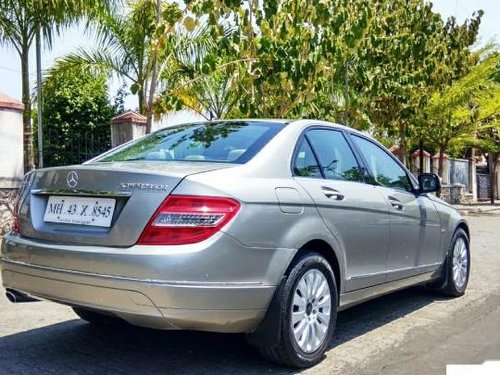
410	332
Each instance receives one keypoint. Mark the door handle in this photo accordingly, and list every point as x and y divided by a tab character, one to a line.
396	203
332	193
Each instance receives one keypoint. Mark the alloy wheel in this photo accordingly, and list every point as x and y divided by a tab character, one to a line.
311	309
460	263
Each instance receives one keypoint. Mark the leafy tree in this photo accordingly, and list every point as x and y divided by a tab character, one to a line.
272	59
489	141
78	114
486	104
365	63
410	52
119	99
183	53
468	105
20	20
123	39
138	46
203	81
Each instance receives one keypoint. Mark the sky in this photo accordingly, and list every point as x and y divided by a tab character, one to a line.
73	38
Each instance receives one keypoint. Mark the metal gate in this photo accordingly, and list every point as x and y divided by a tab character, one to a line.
483	186
459	172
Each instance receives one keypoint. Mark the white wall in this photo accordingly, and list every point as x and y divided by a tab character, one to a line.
11	147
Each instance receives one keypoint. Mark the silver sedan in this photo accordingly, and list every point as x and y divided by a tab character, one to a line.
267	227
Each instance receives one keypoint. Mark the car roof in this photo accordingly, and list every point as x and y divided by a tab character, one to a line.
267	120
283	122
286	122
312	122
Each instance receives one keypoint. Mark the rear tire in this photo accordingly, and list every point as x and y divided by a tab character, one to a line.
457	266
97	318
308	313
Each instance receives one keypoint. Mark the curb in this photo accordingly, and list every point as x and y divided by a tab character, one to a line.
477	210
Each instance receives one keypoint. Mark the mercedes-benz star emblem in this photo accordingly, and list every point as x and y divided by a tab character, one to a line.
72	179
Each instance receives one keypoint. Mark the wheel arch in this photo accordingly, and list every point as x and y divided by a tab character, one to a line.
324	249
462	224
269	330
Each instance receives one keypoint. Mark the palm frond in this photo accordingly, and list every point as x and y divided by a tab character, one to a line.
11	29
102	60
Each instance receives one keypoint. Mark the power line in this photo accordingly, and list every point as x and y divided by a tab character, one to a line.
32	74
10	69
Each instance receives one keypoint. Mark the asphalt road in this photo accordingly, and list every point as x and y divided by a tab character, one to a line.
410	332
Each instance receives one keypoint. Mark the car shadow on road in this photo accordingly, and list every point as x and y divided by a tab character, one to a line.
376	313
79	348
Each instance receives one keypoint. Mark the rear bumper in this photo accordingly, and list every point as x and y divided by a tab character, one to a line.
221	303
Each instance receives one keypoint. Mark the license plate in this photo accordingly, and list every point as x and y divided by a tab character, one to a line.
80	211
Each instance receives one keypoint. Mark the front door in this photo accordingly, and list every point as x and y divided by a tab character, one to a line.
415	226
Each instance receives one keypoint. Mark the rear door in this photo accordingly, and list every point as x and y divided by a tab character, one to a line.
415	228
355	212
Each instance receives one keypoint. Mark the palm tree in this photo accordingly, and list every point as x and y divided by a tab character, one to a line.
20	20
212	95
203	77
135	44
124	41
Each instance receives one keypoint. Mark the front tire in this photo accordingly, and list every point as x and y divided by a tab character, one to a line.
457	266
308	313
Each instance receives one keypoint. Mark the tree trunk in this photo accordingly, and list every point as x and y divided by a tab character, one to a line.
402	144
27	134
495	179
140	95
346	94
495	164
440	166
39	98
441	162
421	156
154	77
492	168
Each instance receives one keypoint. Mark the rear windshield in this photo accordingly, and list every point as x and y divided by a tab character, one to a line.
223	142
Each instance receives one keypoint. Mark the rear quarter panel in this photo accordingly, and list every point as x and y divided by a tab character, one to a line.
261	223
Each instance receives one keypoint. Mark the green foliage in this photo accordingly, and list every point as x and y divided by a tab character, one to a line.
388	66
77	115
201	74
119	99
20	20
264	62
466	113
124	47
370	64
470	104
410	53
130	41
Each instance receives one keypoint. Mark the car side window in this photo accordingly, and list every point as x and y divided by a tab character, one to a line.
385	170
336	158
305	164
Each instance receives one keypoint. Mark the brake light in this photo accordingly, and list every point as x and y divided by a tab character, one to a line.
186	219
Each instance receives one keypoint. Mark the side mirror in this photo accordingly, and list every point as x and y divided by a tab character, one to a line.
428	183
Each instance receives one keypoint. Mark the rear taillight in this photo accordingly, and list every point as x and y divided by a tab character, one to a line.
185	219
